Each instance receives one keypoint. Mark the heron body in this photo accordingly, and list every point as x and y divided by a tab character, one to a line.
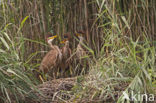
66	53
80	51
51	60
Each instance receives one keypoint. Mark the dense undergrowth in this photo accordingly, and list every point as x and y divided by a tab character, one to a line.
121	64
126	69
130	66
16	76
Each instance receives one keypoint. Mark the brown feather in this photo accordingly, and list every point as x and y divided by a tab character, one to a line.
66	53
80	52
51	60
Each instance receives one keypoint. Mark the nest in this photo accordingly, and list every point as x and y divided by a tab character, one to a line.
69	90
55	91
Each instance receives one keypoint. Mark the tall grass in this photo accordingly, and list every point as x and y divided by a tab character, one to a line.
120	35
16	79
126	61
128	68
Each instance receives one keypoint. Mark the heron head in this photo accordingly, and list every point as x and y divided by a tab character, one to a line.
51	38
80	34
64	41
67	36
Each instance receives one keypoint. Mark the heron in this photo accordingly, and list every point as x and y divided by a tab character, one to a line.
81	53
52	59
66	53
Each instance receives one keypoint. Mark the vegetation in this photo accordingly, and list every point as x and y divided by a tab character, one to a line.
120	36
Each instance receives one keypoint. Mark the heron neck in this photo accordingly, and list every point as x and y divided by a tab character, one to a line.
81	40
50	44
67	44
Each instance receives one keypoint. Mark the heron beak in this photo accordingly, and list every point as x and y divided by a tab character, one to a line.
63	41
53	37
78	34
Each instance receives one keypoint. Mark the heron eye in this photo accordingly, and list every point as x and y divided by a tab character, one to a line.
65	36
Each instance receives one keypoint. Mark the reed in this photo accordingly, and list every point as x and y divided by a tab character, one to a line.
120	38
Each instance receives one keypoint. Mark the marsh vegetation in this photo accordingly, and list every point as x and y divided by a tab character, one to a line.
120	37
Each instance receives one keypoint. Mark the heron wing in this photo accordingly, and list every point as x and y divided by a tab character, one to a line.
49	61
